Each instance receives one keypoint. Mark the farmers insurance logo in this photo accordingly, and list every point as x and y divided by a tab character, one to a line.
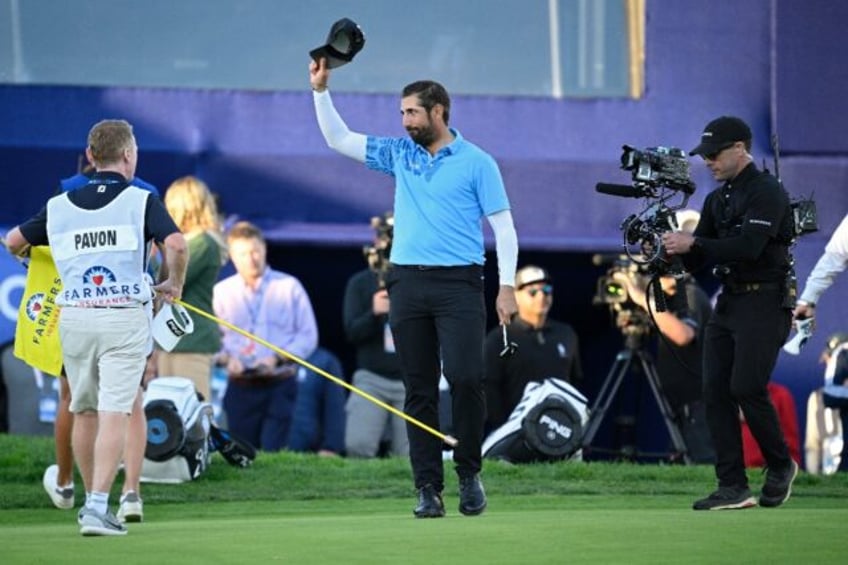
34	305
98	275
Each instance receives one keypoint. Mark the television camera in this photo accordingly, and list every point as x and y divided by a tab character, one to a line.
804	216
658	175
612	290
377	254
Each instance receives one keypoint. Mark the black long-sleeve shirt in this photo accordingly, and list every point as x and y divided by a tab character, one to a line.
550	351
679	367
367	331
745	225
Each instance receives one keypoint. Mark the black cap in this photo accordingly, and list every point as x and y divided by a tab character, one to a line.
344	41
722	133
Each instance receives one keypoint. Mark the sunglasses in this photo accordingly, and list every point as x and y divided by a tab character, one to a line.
714	155
547	290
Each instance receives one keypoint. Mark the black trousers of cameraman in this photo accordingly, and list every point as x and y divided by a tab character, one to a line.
741	344
438	321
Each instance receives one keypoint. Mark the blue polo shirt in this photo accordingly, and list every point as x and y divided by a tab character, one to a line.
440	200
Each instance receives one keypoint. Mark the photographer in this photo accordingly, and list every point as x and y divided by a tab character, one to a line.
366	325
680	348
746	227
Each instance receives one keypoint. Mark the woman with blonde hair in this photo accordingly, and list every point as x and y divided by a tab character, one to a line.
192	206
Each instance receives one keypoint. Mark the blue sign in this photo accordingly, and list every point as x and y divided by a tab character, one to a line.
12	284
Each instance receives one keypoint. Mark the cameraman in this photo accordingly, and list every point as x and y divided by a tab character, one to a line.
366	325
680	348
746	227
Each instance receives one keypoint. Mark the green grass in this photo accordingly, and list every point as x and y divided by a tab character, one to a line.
295	508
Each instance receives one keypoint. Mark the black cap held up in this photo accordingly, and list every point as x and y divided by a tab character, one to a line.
344	41
722	133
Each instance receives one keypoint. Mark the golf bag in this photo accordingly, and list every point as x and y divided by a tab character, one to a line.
546	425
178	427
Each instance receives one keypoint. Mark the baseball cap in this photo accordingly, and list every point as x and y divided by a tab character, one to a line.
721	133
834	341
530	274
687	220
344	41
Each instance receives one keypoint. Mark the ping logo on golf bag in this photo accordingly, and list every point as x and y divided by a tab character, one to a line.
555	427
546	425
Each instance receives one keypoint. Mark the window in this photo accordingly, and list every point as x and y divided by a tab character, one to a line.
571	48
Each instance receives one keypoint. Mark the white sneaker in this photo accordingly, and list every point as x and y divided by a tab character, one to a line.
62	497
132	508
94	524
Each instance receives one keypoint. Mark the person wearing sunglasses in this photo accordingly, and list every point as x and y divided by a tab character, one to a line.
746	228
533	348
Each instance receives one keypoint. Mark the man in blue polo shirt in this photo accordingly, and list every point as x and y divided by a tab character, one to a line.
444	186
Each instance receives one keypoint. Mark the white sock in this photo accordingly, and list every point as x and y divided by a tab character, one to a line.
99	501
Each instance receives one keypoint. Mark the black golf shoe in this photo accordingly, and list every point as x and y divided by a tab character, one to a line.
778	486
472	497
726	498
430	503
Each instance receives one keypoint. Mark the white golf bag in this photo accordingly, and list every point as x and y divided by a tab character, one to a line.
546	425
178	426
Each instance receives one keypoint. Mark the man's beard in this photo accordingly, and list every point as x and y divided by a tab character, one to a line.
424	136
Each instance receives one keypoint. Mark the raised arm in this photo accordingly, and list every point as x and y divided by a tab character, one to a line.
336	132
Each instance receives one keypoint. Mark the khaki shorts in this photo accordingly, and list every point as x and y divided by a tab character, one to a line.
105	352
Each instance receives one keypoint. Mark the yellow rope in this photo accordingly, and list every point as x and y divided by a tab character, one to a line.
452	441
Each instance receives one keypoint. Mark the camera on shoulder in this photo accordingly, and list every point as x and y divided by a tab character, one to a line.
658	174
377	254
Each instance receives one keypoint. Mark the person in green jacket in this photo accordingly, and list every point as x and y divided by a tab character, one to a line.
193	208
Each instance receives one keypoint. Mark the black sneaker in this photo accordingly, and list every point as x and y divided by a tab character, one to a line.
726	498
472	498
430	503
778	486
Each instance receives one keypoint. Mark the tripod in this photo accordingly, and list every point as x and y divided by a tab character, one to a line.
624	363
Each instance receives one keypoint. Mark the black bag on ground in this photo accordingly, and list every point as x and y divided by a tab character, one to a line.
546	425
235	450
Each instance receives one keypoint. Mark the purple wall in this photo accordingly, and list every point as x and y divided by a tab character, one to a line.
810	52
257	148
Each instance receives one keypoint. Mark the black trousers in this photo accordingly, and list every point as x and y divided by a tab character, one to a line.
438	321
741	344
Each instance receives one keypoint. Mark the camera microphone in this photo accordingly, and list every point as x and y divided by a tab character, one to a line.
624	190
